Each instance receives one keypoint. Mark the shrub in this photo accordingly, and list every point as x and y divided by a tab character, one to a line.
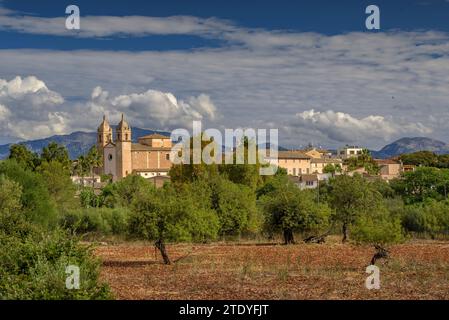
106	221
430	217
33	267
379	228
35	199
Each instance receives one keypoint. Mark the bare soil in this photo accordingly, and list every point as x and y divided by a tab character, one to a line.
416	270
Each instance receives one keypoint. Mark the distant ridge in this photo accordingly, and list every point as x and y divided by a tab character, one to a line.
80	142
410	145
77	142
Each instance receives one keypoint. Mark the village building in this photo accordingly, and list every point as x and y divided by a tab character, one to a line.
315	153
349	152
294	162
389	169
305	181
317	165
149	157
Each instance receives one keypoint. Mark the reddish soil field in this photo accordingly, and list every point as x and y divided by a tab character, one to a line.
417	270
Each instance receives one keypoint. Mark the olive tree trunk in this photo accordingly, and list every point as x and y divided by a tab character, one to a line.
288	236
161	246
345	232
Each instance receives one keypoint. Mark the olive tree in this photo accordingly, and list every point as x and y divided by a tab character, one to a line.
352	197
289	209
166	215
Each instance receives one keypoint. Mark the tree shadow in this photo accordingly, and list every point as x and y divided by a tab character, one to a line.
129	264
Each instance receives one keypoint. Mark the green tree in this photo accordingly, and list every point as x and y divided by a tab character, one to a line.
10	193
329	168
164	214
420	158
123	192
94	161
59	185
383	187
423	183
55	152
23	156
235	205
244	173
35	199
352	197
289	209
81	167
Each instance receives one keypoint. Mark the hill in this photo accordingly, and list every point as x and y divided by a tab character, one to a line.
410	145
77	143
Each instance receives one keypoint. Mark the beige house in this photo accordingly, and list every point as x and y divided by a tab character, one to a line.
317	165
295	162
149	157
389	169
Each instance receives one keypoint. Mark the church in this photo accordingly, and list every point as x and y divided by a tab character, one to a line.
149	157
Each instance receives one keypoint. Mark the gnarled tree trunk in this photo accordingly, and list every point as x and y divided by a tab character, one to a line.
345	232
161	246
381	253
288	236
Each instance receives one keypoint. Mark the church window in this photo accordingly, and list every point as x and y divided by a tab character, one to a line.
167	156
110	157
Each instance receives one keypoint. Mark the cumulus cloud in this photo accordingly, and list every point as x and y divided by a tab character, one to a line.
343	127
385	84
152	108
29	109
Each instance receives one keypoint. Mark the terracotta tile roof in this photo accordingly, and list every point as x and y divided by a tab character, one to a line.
155	136
292	155
326	160
385	161
151	170
143	147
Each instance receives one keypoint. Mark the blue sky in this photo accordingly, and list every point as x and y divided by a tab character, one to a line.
309	68
323	16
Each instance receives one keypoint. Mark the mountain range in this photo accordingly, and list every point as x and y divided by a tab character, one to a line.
78	143
410	145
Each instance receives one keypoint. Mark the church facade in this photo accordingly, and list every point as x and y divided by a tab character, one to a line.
149	157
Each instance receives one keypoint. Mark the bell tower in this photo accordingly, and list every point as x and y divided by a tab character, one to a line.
104	135
123	147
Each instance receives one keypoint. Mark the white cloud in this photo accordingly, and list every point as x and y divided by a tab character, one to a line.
258	77
29	109
343	127
105	26
152	108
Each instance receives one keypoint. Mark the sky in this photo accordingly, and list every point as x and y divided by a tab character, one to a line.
308	68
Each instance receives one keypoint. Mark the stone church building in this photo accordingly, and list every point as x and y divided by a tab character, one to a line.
149	157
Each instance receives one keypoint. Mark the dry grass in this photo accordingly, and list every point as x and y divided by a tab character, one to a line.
417	270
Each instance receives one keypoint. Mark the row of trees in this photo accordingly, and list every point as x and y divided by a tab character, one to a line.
84	166
206	202
426	159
